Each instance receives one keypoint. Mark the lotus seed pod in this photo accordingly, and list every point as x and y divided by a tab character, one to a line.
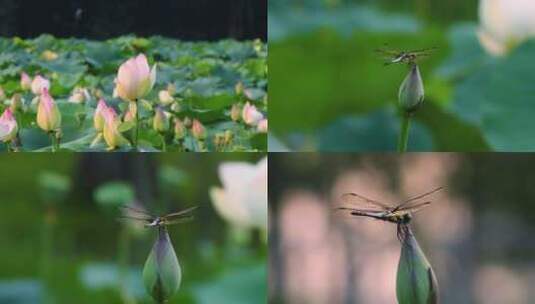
411	92
165	97
416	281
162	274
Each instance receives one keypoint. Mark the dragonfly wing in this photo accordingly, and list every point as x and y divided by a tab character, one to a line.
135	218
418	197
413	208
129	209
177	220
180	213
362	202
423	51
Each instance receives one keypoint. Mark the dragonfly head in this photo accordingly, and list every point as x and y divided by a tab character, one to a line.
156	222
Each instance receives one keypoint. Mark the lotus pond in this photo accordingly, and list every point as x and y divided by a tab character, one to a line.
203	96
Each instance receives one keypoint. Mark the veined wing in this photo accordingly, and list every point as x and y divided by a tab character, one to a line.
387	51
180	214
178	220
426	51
412	208
135	218
129	209
416	198
363	203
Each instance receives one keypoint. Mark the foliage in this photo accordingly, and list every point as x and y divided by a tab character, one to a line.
202	78
473	102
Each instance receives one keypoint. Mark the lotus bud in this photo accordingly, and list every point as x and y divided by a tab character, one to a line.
219	139
251	115
48	115
135	79
416	281
171	89
175	107
49	55
239	88
228	137
198	130
40	83
8	126
130	114
235	112
16	102
262	126
411	92
180	129
162	273
98	117
111	133
98	93
165	97
187	122
25	82
160	123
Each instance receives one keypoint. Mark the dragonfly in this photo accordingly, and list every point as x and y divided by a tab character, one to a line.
409	57
150	220
400	214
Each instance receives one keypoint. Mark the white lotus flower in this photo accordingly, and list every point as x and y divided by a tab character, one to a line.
505	23
243	199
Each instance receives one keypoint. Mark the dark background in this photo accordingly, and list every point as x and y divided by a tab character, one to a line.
101	19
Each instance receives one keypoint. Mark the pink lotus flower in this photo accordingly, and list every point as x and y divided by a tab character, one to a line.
251	115
111	133
8	126
25	81
135	79
40	83
98	117
48	115
198	130
262	126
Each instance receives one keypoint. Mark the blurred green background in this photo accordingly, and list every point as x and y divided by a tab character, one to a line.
477	233
331	92
61	242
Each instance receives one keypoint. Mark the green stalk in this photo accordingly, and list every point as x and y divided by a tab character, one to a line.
404	134
164	145
137	124
54	140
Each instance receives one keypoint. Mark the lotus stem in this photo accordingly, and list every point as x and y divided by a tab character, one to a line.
136	136
164	145
54	140
404	133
